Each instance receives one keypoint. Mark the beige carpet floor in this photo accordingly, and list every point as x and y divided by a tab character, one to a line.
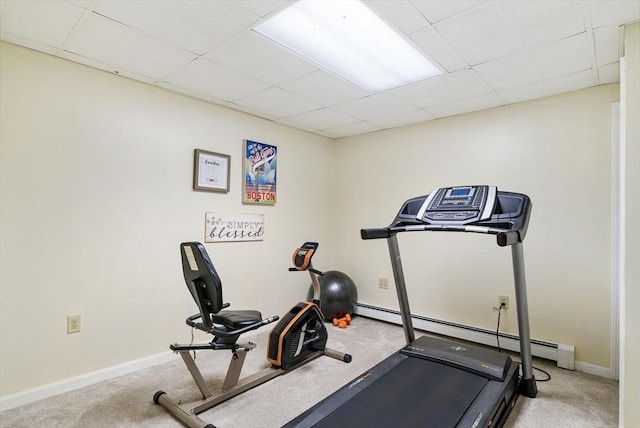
569	399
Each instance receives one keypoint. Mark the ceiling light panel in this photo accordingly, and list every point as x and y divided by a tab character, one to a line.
349	40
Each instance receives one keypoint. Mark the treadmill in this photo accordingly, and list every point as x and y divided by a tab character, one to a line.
432	382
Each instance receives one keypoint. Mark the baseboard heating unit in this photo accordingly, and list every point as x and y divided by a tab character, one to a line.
562	354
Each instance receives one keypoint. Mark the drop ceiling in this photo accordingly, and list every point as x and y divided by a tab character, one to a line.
492	53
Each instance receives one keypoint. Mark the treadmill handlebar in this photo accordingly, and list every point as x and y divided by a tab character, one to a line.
504	237
377	233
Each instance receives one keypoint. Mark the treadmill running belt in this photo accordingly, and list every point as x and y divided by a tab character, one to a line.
416	393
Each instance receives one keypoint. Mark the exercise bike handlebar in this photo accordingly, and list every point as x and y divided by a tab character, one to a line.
230	333
317	272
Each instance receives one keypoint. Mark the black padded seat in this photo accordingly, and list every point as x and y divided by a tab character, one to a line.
237	319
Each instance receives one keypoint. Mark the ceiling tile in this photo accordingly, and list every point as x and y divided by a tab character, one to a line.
236	87
157	58
349	130
283	67
202	25
201	75
438	49
324	88
142	15
443	89
82	3
602	12
607	44
191	93
261	7
564	24
87	61
375	106
185	34
45	22
401	14
255	55
246	53
256	44
402	119
220	19
135	76
104	40
609	73
437	10
514	50
324	118
255	111
522	93
508	72
474	27
525	13
278	103
28	43
570	82
564	57
489	50
467	105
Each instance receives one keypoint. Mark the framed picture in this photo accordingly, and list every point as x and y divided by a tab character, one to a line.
259	173
211	171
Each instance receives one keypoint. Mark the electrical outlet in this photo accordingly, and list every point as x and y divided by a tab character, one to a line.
503	300
383	283
74	322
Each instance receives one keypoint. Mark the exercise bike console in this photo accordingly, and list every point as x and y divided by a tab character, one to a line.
302	256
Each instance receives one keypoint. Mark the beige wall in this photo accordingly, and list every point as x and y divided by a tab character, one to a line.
96	176
556	150
96	195
629	387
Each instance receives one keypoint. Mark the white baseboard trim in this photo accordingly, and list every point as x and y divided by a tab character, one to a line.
45	391
592	369
563	354
35	394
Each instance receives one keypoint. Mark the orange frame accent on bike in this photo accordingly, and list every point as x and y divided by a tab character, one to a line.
307	307
307	258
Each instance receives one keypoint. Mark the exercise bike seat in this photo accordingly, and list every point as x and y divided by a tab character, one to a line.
205	287
235	320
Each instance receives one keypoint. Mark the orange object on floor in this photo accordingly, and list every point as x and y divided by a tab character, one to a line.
342	322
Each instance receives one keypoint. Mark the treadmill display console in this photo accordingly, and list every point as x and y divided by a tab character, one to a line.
458	205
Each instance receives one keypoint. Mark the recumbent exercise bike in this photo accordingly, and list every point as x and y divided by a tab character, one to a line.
297	338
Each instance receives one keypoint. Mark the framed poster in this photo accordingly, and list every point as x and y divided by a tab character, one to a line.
211	171
259	175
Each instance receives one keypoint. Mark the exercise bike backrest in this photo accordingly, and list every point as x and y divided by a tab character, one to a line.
205	287
202	280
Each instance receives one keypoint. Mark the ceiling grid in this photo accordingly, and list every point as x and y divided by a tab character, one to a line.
492	53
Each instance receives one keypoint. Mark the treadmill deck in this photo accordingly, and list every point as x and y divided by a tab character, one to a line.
414	392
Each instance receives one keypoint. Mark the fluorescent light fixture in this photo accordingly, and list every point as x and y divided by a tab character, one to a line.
348	39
